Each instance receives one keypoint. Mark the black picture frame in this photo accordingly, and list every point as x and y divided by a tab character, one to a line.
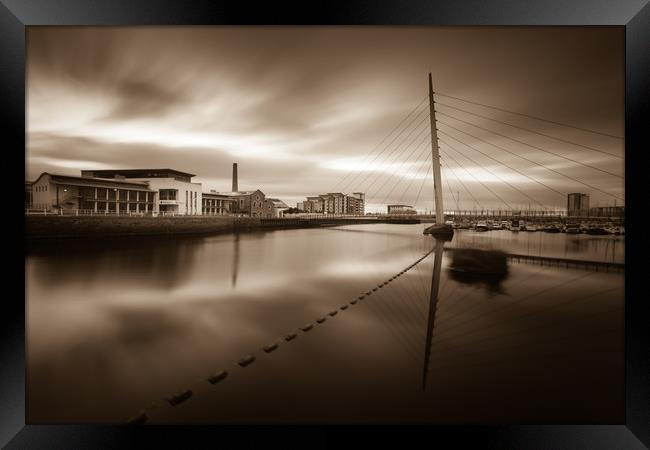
634	15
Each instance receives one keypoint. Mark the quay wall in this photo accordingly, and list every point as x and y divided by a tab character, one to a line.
41	227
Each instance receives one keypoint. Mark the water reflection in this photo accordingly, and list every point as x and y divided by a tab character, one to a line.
488	268
115	324
433	304
577	246
235	262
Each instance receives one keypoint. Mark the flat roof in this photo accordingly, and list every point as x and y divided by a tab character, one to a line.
96	182
214	194
235	194
112	172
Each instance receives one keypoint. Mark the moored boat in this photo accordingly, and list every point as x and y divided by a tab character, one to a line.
597	230
552	228
440	230
572	228
514	225
481	226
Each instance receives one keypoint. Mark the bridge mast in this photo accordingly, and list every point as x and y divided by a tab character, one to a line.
435	155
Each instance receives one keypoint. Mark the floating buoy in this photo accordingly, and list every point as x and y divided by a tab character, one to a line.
321	319
307	327
374	289
344	307
368	293
217	377
291	336
140	419
353	302
333	313
361	297
179	398
269	348
246	360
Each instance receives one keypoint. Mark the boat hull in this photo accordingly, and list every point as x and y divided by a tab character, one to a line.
441	230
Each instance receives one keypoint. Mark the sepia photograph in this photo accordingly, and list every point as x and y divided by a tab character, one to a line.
325	225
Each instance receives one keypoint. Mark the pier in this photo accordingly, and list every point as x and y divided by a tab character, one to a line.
605	266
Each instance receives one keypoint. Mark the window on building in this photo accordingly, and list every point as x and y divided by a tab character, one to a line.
168	194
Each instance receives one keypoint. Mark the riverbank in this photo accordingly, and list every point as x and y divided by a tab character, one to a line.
70	227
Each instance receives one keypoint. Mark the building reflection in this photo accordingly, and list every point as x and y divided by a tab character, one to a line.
162	262
235	261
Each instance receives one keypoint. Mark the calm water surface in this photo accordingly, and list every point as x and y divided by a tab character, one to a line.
115	326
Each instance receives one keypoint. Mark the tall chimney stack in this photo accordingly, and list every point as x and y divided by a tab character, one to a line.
235	187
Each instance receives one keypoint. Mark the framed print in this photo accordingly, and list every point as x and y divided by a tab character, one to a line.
373	223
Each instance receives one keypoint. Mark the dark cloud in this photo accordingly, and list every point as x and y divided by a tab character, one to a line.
142	99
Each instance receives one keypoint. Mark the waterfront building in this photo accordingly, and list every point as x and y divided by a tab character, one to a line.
250	203
577	205
607	211
177	193
313	204
28	194
214	204
54	192
335	203
356	203
278	206
400	209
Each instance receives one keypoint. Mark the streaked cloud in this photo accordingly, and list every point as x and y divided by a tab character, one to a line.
305	110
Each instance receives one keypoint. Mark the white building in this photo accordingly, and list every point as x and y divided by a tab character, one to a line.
278	206
176	192
54	192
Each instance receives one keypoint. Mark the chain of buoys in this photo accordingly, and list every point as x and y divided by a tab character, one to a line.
142	417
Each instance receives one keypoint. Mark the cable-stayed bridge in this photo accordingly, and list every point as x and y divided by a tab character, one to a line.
425	314
492	159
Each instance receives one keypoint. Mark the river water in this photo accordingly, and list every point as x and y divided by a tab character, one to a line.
114	326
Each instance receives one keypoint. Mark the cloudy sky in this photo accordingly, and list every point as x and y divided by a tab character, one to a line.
311	110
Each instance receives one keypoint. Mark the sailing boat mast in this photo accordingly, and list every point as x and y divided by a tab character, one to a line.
435	156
